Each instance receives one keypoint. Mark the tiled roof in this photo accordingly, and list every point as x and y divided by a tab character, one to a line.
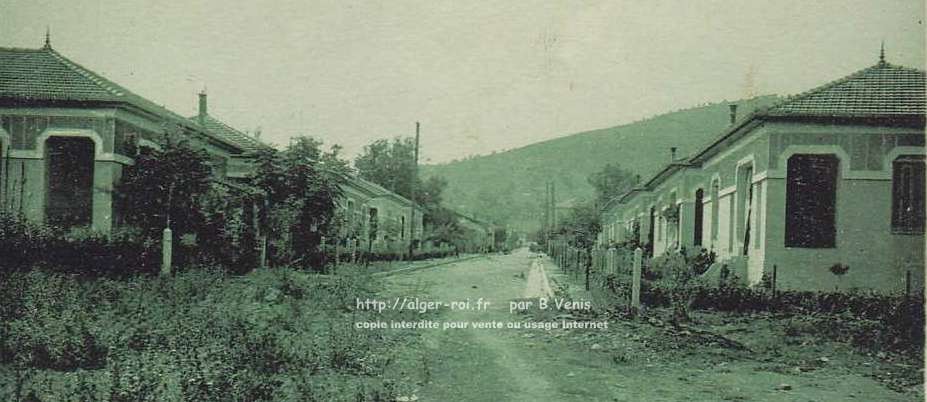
881	90
28	75
44	74
229	133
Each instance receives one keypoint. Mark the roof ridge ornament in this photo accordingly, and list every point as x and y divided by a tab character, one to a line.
882	53
47	38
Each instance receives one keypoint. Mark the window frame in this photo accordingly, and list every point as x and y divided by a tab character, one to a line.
897	226
790	238
698	237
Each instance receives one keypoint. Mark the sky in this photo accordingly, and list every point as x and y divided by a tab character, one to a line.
479	76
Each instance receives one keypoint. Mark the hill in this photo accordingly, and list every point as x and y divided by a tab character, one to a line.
509	186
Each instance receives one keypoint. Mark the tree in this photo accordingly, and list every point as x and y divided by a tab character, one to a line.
581	226
612	181
302	186
389	163
175	185
165	183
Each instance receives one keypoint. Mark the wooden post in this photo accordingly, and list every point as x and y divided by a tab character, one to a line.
907	284
412	191
588	265
167	245
636	281
774	274
367	255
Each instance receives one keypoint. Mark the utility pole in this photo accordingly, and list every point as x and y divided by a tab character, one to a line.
546	224
412	192
553	204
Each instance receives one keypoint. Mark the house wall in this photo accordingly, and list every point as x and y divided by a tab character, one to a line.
115	134
877	257
390	215
24	179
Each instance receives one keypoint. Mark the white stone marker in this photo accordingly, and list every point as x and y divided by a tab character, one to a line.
167	242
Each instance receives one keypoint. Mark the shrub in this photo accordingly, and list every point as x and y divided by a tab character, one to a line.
201	335
49	326
26	244
22	243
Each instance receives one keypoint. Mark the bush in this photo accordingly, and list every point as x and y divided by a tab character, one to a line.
48	328
27	245
200	336
869	320
22	243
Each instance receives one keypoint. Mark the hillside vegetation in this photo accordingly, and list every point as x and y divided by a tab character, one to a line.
509	186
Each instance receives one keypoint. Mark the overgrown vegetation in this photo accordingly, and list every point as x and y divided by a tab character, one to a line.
199	336
25	245
302	189
868	320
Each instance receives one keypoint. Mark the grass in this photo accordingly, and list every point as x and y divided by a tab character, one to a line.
201	335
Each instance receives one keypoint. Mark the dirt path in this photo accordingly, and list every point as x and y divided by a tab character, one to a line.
508	364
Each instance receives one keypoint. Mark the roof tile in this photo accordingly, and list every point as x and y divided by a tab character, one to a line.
229	133
881	90
45	75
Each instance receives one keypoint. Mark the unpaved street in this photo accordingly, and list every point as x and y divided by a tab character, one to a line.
584	364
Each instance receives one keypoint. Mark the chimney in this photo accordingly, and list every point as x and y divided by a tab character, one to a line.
672	154
202	103
733	107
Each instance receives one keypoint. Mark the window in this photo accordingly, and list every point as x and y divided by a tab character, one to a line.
744	204
811	201
651	229
660	228
699	216
349	214
372	224
908	194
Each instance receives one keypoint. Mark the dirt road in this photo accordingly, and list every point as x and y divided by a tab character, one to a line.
518	364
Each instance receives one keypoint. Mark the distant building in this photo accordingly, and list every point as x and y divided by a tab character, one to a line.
832	175
479	233
377	218
67	133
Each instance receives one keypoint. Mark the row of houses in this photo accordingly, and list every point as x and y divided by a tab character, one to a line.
834	175
67	133
481	234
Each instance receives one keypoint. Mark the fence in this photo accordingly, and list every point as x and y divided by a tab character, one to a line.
624	278
614	273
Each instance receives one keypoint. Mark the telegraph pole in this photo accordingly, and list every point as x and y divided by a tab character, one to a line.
412	193
546	223
553	204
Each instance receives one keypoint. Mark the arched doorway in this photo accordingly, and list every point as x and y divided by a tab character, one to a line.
69	180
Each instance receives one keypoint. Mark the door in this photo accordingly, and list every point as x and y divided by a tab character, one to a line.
69	180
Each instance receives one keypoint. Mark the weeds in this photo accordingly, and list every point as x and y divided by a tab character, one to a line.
202	335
